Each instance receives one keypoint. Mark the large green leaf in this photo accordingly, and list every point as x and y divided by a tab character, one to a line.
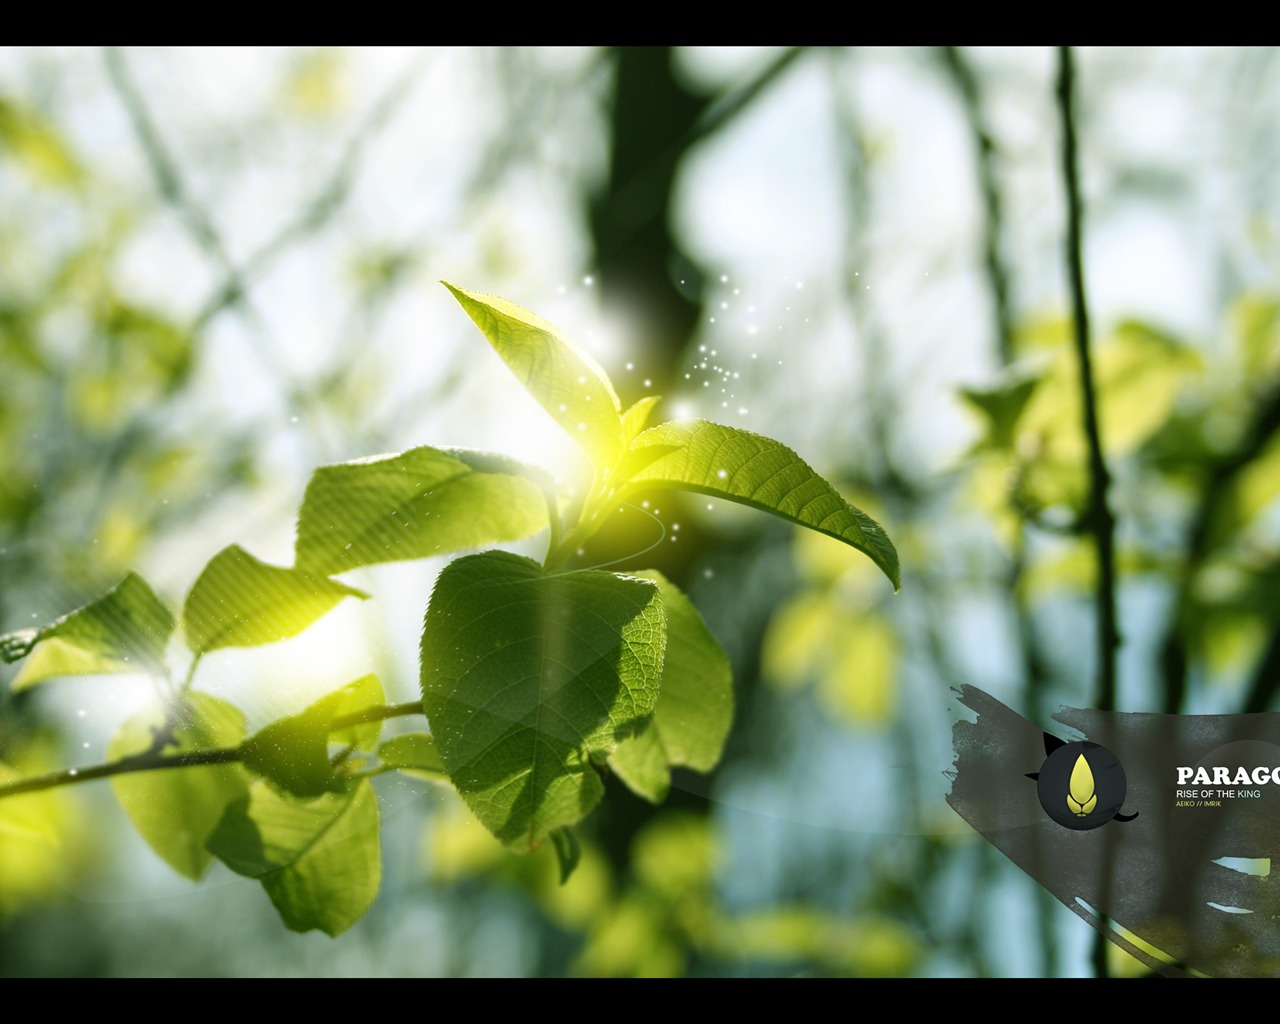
125	630
749	469
294	752
239	601
319	860
526	677
567	382
423	502
695	704
175	810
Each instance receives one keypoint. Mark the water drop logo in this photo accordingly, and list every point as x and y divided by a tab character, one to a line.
1081	785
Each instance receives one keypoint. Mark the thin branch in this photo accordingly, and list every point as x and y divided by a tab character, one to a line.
1266	679
150	761
992	204
163	165
725	109
1099	517
1214	496
331	196
237	280
170	182
1034	669
377	713
888	479
715	115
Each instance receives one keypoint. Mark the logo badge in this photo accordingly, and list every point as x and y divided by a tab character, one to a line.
1081	785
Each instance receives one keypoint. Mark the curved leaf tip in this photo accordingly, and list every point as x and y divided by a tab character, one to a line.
750	469
567	383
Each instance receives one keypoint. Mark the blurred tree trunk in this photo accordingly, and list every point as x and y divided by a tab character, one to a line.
639	260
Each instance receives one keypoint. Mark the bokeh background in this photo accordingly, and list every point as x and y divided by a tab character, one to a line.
218	270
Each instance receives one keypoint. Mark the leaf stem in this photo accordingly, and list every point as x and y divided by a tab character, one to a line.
149	761
191	672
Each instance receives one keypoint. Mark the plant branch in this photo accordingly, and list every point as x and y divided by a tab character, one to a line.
727	107
1216	494
170	182
1099	517
163	166
997	274
331	196
151	760
1034	668
1266	679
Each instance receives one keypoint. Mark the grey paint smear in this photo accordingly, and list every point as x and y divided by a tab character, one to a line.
1154	877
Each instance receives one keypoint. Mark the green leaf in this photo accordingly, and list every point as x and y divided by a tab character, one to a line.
423	502
859	681
39	840
568	852
35	143
175	810
641	763
1256	332
337	881
1001	406
239	601
125	630
412	751
567	382
319	860
743	467
293	752
356	696
636	418
528	677
695	703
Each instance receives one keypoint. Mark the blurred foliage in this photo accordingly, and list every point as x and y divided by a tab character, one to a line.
43	836
212	270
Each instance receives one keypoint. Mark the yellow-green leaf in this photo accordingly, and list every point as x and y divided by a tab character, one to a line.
566	381
175	810
125	630
695	703
239	601
422	502
294	753
641	763
319	860
749	469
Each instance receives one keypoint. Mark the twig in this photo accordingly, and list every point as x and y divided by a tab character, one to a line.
169	180
993	212
1099	516
162	163
150	760
1216	493
331	196
726	108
